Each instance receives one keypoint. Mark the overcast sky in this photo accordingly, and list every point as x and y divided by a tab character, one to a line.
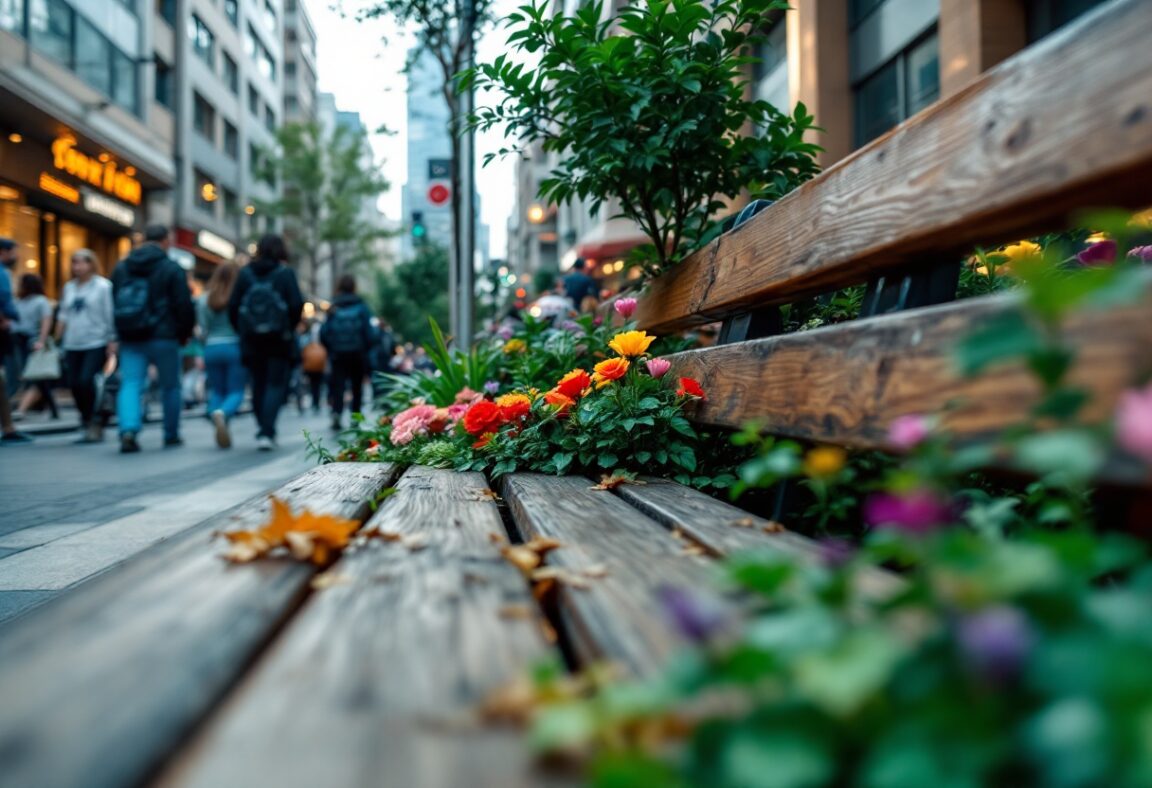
361	65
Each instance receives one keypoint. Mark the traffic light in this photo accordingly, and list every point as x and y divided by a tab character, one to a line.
419	231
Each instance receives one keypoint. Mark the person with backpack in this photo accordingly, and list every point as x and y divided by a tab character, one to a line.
265	308
349	338
226	376
154	316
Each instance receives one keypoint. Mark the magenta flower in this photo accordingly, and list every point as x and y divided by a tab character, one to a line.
907	432
1134	422
1099	253
625	307
1142	253
996	641
658	367
917	512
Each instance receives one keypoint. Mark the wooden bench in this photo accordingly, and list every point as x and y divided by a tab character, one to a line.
179	669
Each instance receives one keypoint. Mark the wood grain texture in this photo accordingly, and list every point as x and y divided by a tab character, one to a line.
726	529
368	684
618	617
100	684
845	384
1062	126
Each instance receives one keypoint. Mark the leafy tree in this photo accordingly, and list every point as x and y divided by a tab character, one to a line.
411	292
648	109
324	184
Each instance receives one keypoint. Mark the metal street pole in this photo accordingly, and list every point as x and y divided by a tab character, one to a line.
466	275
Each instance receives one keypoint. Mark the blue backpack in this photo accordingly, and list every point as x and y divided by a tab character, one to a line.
345	330
263	311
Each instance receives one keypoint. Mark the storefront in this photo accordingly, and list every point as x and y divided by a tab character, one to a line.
201	251
57	196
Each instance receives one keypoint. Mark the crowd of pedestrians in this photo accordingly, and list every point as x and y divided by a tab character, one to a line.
112	341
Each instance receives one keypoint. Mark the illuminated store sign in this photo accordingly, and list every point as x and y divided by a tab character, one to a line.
215	244
109	209
58	188
102	172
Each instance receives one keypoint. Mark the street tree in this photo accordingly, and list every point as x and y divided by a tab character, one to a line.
411	292
324	185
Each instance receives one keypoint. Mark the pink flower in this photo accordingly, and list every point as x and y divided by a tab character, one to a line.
1142	253
625	307
467	396
1099	253
658	367
908	432
412	422
1134	423
916	512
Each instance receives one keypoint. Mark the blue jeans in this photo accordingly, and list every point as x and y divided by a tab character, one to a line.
226	377
164	354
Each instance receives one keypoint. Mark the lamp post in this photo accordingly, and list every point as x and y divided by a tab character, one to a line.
466	272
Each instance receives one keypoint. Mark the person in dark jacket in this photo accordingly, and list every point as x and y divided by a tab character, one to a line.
265	307
154	316
349	337
578	286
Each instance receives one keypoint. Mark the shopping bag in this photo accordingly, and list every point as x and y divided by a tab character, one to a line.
43	364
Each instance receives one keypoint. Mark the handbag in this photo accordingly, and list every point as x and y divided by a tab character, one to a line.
43	364
315	357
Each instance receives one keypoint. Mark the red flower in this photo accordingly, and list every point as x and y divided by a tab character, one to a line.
514	407
574	383
690	388
483	416
559	400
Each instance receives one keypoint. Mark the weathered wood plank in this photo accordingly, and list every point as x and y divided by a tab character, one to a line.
845	384
1062	126
618	617
368	684
101	684
726	529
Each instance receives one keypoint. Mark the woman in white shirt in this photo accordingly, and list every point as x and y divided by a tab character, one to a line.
30	333
88	336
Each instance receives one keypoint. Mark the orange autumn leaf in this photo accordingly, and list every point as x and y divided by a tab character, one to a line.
306	537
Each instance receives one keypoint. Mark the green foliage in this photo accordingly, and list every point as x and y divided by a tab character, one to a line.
455	370
648	109
414	292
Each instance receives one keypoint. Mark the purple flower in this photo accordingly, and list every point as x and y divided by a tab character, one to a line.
1134	423
835	552
492	386
572	327
916	512
996	641
908	432
1142	253
696	617
1099	253
504	333
625	307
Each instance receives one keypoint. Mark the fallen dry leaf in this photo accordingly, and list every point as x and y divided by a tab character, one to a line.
522	557
596	570
496	538
693	549
306	536
744	522
485	495
614	481
329	579
517	612
414	542
773	527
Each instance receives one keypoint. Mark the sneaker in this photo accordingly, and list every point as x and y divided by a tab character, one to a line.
264	443
173	443
336	421
15	437
128	444
223	437
94	434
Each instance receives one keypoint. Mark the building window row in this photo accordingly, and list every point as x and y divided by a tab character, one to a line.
260	54
232	11
203	41
899	89
166	10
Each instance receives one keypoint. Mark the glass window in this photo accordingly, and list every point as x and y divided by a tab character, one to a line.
291	104
253	100
51	23
859	9
231	74
203	118
206	193
203	42
230	205
878	103
231	140
922	75
93	57
1046	16
12	15
770	51
899	89
166	10
253	160
125	82
290	68
269	118
269	16
164	84
259	54
232	11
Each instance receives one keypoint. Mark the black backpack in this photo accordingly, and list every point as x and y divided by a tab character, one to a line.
263	311
135	315
345	330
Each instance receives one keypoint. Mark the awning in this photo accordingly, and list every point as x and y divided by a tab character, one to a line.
610	240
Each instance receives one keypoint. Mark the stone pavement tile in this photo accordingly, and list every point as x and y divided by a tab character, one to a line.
13	603
41	534
71	559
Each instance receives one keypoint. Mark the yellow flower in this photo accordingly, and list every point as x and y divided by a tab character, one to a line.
515	346
1142	219
631	343
1021	250
825	461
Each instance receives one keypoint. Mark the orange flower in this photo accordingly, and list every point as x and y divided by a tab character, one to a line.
485	439
690	388
612	369
514	407
559	400
483	416
631	343
574	383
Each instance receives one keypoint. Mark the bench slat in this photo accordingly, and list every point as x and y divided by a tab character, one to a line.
845	384
101	683
618	617
369	682
1010	156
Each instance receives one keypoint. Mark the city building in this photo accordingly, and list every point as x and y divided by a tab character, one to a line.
299	64
426	206
226	73
86	152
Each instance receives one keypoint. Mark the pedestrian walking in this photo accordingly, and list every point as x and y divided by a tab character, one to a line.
348	336
581	288
33	332
86	330
264	309
8	316
313	363
154	316
227	377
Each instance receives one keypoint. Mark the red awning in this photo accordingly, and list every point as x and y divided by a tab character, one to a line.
610	240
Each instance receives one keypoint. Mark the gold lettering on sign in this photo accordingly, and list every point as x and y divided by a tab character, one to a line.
105	175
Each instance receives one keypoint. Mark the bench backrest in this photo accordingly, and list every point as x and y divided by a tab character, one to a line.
1063	126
